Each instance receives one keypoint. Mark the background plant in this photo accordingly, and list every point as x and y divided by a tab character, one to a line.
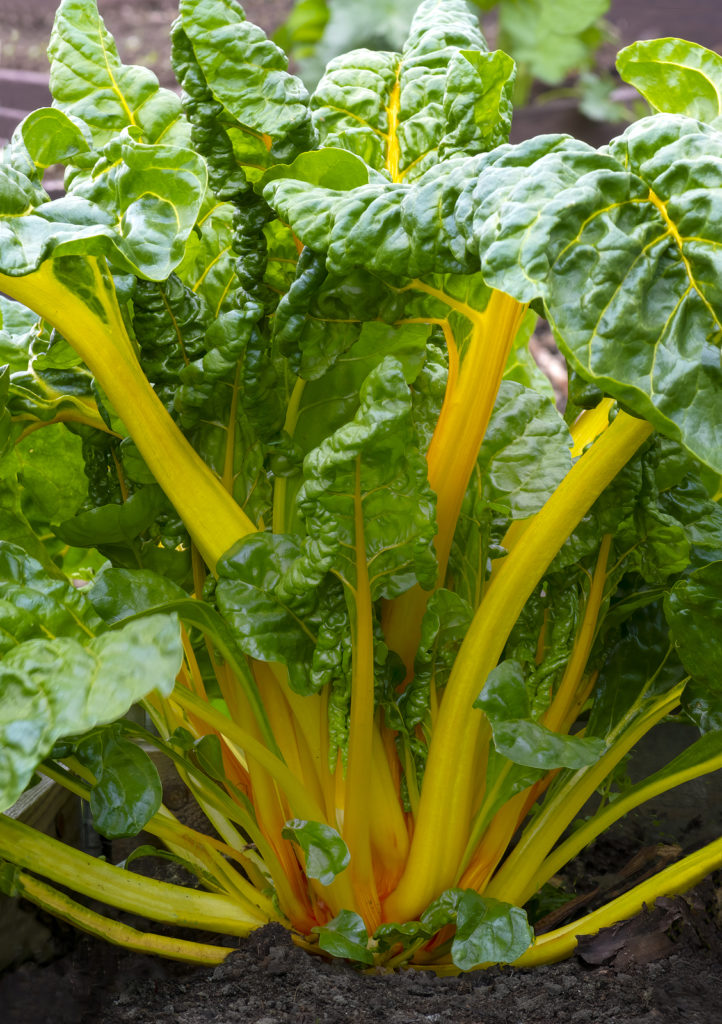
551	41
383	605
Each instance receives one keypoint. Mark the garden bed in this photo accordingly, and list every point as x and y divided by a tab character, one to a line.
664	965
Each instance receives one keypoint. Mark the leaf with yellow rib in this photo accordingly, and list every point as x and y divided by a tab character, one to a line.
88	80
365	499
403	112
247	74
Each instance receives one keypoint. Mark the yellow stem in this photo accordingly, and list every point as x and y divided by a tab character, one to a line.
564	697
589	830
675	879
173	904
471	390
512	881
99	336
357	804
63	907
442	825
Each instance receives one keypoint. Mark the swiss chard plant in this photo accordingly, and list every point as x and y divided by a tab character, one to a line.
276	463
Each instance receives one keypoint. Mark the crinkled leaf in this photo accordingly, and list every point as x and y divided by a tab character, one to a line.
50	469
632	229
525	452
264	625
326	853
138	208
127	791
477	103
637	237
675	76
505	701
34	604
345	936
394	110
366	487
208	265
62	687
88	80
693	610
245	71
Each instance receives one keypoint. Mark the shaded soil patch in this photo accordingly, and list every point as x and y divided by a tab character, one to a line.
269	981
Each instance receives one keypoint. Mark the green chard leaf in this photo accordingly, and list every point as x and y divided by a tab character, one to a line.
88	81
555	219
403	112
505	701
265	626
523	458
137	207
36	605
693	609
487	930
365	490
675	77
117	594
345	937
326	853
63	687
127	791
246	72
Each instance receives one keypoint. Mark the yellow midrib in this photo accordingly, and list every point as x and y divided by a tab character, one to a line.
393	150
661	208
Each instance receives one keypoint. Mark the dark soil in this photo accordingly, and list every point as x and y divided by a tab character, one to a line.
663	968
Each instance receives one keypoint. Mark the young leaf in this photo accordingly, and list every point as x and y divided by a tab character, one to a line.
326	853
693	610
56	688
488	931
245	71
127	791
345	936
505	701
675	76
